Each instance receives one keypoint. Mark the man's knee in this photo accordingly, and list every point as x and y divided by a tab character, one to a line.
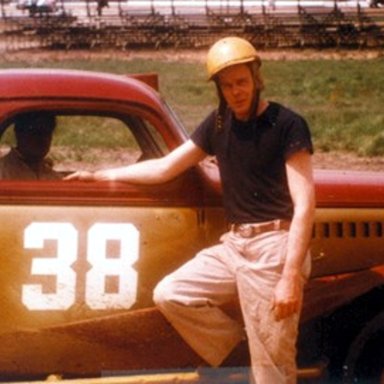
161	293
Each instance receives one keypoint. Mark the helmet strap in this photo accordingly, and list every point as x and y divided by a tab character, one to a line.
221	109
254	67
255	104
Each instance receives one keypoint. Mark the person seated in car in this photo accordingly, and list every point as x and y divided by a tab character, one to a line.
28	161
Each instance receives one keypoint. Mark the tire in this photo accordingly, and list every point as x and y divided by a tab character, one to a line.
365	359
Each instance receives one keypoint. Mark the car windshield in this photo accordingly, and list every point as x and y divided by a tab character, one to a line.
177	118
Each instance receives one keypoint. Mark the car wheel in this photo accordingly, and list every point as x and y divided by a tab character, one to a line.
365	360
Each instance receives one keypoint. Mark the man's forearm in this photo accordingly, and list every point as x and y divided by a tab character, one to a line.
298	242
146	172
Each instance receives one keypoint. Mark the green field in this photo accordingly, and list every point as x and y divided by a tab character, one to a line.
343	100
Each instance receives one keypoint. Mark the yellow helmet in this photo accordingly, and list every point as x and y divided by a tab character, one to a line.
229	51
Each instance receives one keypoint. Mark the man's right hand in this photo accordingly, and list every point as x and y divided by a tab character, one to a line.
80	175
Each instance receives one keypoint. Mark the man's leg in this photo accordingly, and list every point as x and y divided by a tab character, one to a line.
272	343
190	298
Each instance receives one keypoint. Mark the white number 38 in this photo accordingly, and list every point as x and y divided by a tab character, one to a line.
102	266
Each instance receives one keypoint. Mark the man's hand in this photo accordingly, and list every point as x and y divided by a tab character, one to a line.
81	175
288	296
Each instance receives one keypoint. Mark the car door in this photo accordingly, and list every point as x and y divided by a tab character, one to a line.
77	250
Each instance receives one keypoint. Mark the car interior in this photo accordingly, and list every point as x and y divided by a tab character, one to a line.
91	141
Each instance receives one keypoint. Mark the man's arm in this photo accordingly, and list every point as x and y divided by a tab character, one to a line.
288	292
153	171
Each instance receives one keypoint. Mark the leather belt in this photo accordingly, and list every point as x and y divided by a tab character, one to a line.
248	230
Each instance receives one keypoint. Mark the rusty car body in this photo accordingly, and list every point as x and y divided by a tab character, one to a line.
79	260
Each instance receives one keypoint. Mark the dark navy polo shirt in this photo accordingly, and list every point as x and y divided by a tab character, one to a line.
251	157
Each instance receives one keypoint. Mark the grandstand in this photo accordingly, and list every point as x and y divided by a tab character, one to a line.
69	24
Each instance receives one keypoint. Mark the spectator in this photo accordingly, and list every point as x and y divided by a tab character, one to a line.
28	161
100	5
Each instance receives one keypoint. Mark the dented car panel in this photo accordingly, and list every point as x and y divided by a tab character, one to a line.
80	260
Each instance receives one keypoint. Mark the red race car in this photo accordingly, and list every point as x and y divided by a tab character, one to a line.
79	260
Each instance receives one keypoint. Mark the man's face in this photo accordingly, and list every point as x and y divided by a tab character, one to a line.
34	141
238	88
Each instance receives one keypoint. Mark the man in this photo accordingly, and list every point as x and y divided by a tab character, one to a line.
264	155
27	161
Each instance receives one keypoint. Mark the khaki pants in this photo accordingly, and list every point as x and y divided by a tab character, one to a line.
247	268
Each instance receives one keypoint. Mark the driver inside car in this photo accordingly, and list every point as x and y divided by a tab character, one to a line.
28	159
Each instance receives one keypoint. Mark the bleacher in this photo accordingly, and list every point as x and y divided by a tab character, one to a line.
123	25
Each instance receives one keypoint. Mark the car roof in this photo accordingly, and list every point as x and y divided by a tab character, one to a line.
64	83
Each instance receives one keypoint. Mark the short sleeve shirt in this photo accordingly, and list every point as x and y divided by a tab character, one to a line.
13	167
251	157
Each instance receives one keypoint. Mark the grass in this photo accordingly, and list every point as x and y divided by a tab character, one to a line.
342	100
